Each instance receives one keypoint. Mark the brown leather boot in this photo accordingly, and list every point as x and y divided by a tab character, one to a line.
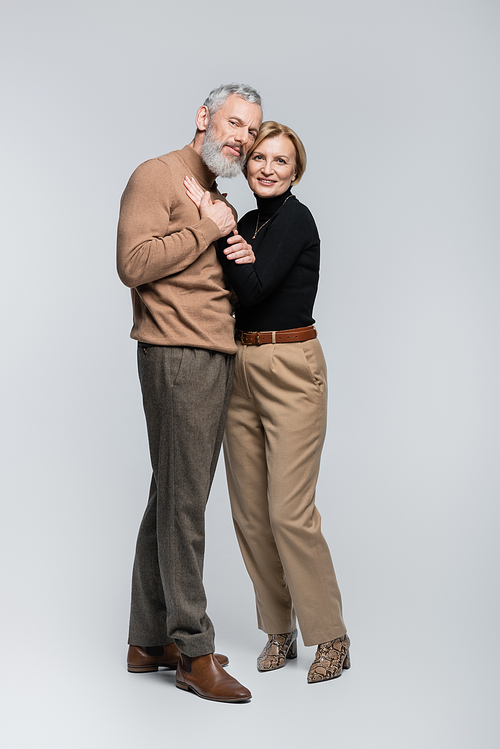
278	648
205	677
140	661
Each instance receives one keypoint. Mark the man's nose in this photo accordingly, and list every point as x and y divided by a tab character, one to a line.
242	136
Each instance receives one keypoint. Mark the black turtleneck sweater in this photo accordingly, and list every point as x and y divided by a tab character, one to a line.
278	291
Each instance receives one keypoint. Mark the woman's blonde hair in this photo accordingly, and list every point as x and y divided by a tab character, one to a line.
271	129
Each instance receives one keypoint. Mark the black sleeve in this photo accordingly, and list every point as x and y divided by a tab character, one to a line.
290	231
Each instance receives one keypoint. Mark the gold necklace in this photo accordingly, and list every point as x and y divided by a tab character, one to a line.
257	227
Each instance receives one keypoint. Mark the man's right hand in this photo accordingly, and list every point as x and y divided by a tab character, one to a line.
219	212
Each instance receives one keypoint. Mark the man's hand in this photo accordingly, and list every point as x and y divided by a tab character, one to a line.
239	251
219	212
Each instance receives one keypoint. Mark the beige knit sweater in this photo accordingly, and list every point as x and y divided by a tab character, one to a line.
166	255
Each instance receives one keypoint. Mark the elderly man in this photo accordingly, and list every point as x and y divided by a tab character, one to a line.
184	328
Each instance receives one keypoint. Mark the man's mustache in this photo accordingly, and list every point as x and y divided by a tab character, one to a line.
232	145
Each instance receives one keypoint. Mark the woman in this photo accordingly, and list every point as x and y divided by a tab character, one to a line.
277	415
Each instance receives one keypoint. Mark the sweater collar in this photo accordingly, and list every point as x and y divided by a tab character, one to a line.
268	206
192	158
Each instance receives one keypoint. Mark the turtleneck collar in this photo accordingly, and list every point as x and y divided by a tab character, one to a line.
268	206
205	177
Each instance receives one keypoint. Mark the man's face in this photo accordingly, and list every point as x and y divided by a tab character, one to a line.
230	133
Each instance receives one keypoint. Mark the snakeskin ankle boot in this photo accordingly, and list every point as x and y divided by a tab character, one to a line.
331	659
278	649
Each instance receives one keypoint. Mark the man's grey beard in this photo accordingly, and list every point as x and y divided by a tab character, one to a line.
216	161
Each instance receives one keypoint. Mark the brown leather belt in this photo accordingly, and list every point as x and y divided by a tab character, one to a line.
295	335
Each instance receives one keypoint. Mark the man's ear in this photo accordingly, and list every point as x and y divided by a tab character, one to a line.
202	118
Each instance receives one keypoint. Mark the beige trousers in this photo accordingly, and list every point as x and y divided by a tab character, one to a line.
272	445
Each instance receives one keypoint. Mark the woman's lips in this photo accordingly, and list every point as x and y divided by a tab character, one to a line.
266	181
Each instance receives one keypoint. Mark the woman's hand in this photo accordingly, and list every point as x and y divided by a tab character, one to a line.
239	251
194	190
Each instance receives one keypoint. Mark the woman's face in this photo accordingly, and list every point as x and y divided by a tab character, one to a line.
271	167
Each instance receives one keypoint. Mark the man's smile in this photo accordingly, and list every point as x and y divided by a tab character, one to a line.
235	150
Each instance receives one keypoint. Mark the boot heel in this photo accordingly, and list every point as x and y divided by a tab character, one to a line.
292	651
181	685
141	669
347	662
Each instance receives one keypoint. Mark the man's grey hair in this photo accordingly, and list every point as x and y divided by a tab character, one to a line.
218	97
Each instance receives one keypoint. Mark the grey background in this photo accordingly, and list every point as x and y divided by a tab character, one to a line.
398	105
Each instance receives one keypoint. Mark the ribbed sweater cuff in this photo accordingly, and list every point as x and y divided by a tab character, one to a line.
209	229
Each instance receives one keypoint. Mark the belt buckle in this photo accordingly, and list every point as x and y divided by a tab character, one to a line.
257	339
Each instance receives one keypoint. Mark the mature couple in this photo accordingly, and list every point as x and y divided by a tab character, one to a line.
184	258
